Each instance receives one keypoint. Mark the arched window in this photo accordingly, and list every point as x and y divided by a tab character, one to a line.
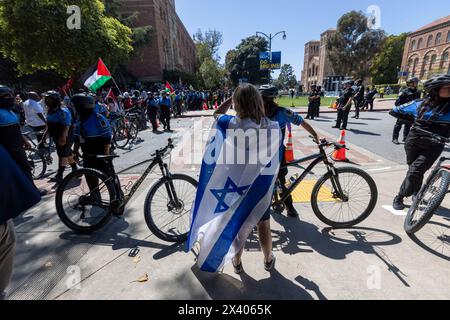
448	36
430	41
313	70
317	70
416	63
438	38
426	60
444	59
309	72
413	45
419	44
433	62
410	65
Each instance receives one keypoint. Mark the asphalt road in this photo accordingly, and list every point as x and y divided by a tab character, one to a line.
373	132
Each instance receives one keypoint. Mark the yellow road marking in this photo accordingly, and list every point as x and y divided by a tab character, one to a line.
302	194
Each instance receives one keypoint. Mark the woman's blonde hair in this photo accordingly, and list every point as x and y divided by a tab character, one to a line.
248	103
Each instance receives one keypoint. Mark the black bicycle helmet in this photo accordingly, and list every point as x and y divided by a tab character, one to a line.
52	94
83	102
6	97
268	91
437	81
413	80
5	91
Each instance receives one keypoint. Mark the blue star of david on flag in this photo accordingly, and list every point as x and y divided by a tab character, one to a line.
220	194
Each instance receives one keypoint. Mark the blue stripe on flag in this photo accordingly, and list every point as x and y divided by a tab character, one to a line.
207	171
222	246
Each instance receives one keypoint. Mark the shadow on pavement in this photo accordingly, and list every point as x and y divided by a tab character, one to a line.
224	287
304	237
366	133
434	238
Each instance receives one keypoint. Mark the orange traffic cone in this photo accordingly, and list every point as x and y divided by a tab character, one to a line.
216	105
289	153
205	106
340	155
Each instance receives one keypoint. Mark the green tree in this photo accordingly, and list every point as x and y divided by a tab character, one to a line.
243	62
35	36
387	62
211	73
352	49
287	78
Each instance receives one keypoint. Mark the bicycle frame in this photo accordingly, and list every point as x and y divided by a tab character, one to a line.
318	158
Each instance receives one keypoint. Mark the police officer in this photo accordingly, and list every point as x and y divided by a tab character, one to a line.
358	97
152	111
313	96
165	105
344	105
283	116
60	128
432	115
318	102
411	93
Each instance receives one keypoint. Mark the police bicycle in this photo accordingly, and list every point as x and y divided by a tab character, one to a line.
125	130
341	198
87	199
38	159
432	193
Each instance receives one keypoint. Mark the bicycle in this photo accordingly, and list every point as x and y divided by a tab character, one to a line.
38	159
339	189
167	205
125	131
432	193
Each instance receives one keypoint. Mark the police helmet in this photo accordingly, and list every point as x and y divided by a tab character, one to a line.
437	81
83	102
52	94
412	80
6	97
268	91
5	91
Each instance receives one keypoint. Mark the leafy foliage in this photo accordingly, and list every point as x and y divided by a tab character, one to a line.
287	78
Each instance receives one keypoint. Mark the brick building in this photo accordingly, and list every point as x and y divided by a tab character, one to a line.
317	67
427	50
171	48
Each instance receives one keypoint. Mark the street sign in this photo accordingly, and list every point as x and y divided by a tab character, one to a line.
265	63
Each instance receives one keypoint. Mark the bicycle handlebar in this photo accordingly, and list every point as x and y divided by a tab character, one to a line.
162	151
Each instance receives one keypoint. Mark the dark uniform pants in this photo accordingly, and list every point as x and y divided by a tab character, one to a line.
359	104
420	160
289	202
165	117
311	111
152	115
398	127
342	117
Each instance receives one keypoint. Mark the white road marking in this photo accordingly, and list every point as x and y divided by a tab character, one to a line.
380	169
395	212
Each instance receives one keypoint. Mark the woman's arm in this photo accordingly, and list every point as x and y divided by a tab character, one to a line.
223	108
311	131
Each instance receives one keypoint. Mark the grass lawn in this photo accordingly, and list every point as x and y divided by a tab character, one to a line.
302	102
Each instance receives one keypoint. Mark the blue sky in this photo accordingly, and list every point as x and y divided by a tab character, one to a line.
303	20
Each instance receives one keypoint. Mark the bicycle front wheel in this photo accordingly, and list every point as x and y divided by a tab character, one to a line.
427	202
346	199
37	163
122	136
84	200
168	206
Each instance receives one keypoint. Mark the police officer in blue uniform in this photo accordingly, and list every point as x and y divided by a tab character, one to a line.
432	115
60	128
152	111
344	105
411	93
284	117
165	105
93	134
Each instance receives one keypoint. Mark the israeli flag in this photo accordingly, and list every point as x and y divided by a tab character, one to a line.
238	173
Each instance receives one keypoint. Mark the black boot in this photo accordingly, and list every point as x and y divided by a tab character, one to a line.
398	203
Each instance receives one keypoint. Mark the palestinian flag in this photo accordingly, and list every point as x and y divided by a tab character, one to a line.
96	76
169	88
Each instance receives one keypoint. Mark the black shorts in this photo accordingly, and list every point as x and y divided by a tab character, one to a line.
65	150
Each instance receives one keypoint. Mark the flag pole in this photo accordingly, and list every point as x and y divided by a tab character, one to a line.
117	86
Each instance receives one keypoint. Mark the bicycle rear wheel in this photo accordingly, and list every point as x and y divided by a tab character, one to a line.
166	215
360	197
37	163
84	200
122	136
427	202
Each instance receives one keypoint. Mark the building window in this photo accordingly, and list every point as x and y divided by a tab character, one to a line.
438	38
426	60
430	41
416	63
419	44
444	59
317	70
433	61
413	45
448	36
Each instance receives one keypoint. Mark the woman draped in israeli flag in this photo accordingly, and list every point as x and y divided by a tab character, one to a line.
237	178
